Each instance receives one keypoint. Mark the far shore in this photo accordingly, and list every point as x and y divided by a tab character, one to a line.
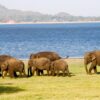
51	22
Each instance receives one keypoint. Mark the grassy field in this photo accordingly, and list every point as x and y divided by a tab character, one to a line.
79	86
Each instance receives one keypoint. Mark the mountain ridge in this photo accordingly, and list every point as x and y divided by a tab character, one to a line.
30	16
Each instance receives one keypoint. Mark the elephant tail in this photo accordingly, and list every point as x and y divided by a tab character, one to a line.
31	56
66	57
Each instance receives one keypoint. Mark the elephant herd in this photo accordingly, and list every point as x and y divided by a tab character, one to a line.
49	61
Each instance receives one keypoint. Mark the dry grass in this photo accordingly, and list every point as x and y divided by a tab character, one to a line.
77	87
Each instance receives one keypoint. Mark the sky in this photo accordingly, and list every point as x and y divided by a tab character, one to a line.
73	7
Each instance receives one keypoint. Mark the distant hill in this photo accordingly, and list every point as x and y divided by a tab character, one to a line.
18	16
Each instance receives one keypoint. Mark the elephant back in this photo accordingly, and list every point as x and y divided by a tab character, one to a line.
4	58
60	64
47	54
41	63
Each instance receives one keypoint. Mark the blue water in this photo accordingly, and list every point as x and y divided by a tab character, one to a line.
66	39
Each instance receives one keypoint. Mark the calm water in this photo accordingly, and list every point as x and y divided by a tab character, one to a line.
66	39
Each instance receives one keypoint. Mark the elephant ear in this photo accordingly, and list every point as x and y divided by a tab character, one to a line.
93	57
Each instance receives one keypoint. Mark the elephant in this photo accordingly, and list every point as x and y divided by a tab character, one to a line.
39	64
92	57
47	54
12	65
59	65
30	65
3	58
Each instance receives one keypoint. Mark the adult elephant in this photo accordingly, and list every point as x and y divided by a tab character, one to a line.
52	56
38	64
12	65
92	57
3	58
47	54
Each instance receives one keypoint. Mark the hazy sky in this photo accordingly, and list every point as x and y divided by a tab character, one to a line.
74	7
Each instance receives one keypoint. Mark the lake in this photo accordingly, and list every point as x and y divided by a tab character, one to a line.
71	39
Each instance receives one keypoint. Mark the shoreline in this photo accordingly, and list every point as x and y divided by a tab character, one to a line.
73	22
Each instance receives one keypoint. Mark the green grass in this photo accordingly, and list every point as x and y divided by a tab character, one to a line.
79	86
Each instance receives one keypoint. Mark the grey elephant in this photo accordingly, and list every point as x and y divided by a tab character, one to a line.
12	65
59	65
39	64
92	57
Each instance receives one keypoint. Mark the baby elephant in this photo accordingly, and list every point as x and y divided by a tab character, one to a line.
59	65
39	64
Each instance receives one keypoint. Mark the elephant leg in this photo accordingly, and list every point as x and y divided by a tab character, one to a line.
33	69
11	73
95	69
24	73
15	74
63	73
67	72
4	73
91	67
0	70
57	72
52	72
31	72
48	72
37	72
20	74
41	71
28	72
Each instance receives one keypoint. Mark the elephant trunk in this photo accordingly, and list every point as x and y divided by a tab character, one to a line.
86	69
85	63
